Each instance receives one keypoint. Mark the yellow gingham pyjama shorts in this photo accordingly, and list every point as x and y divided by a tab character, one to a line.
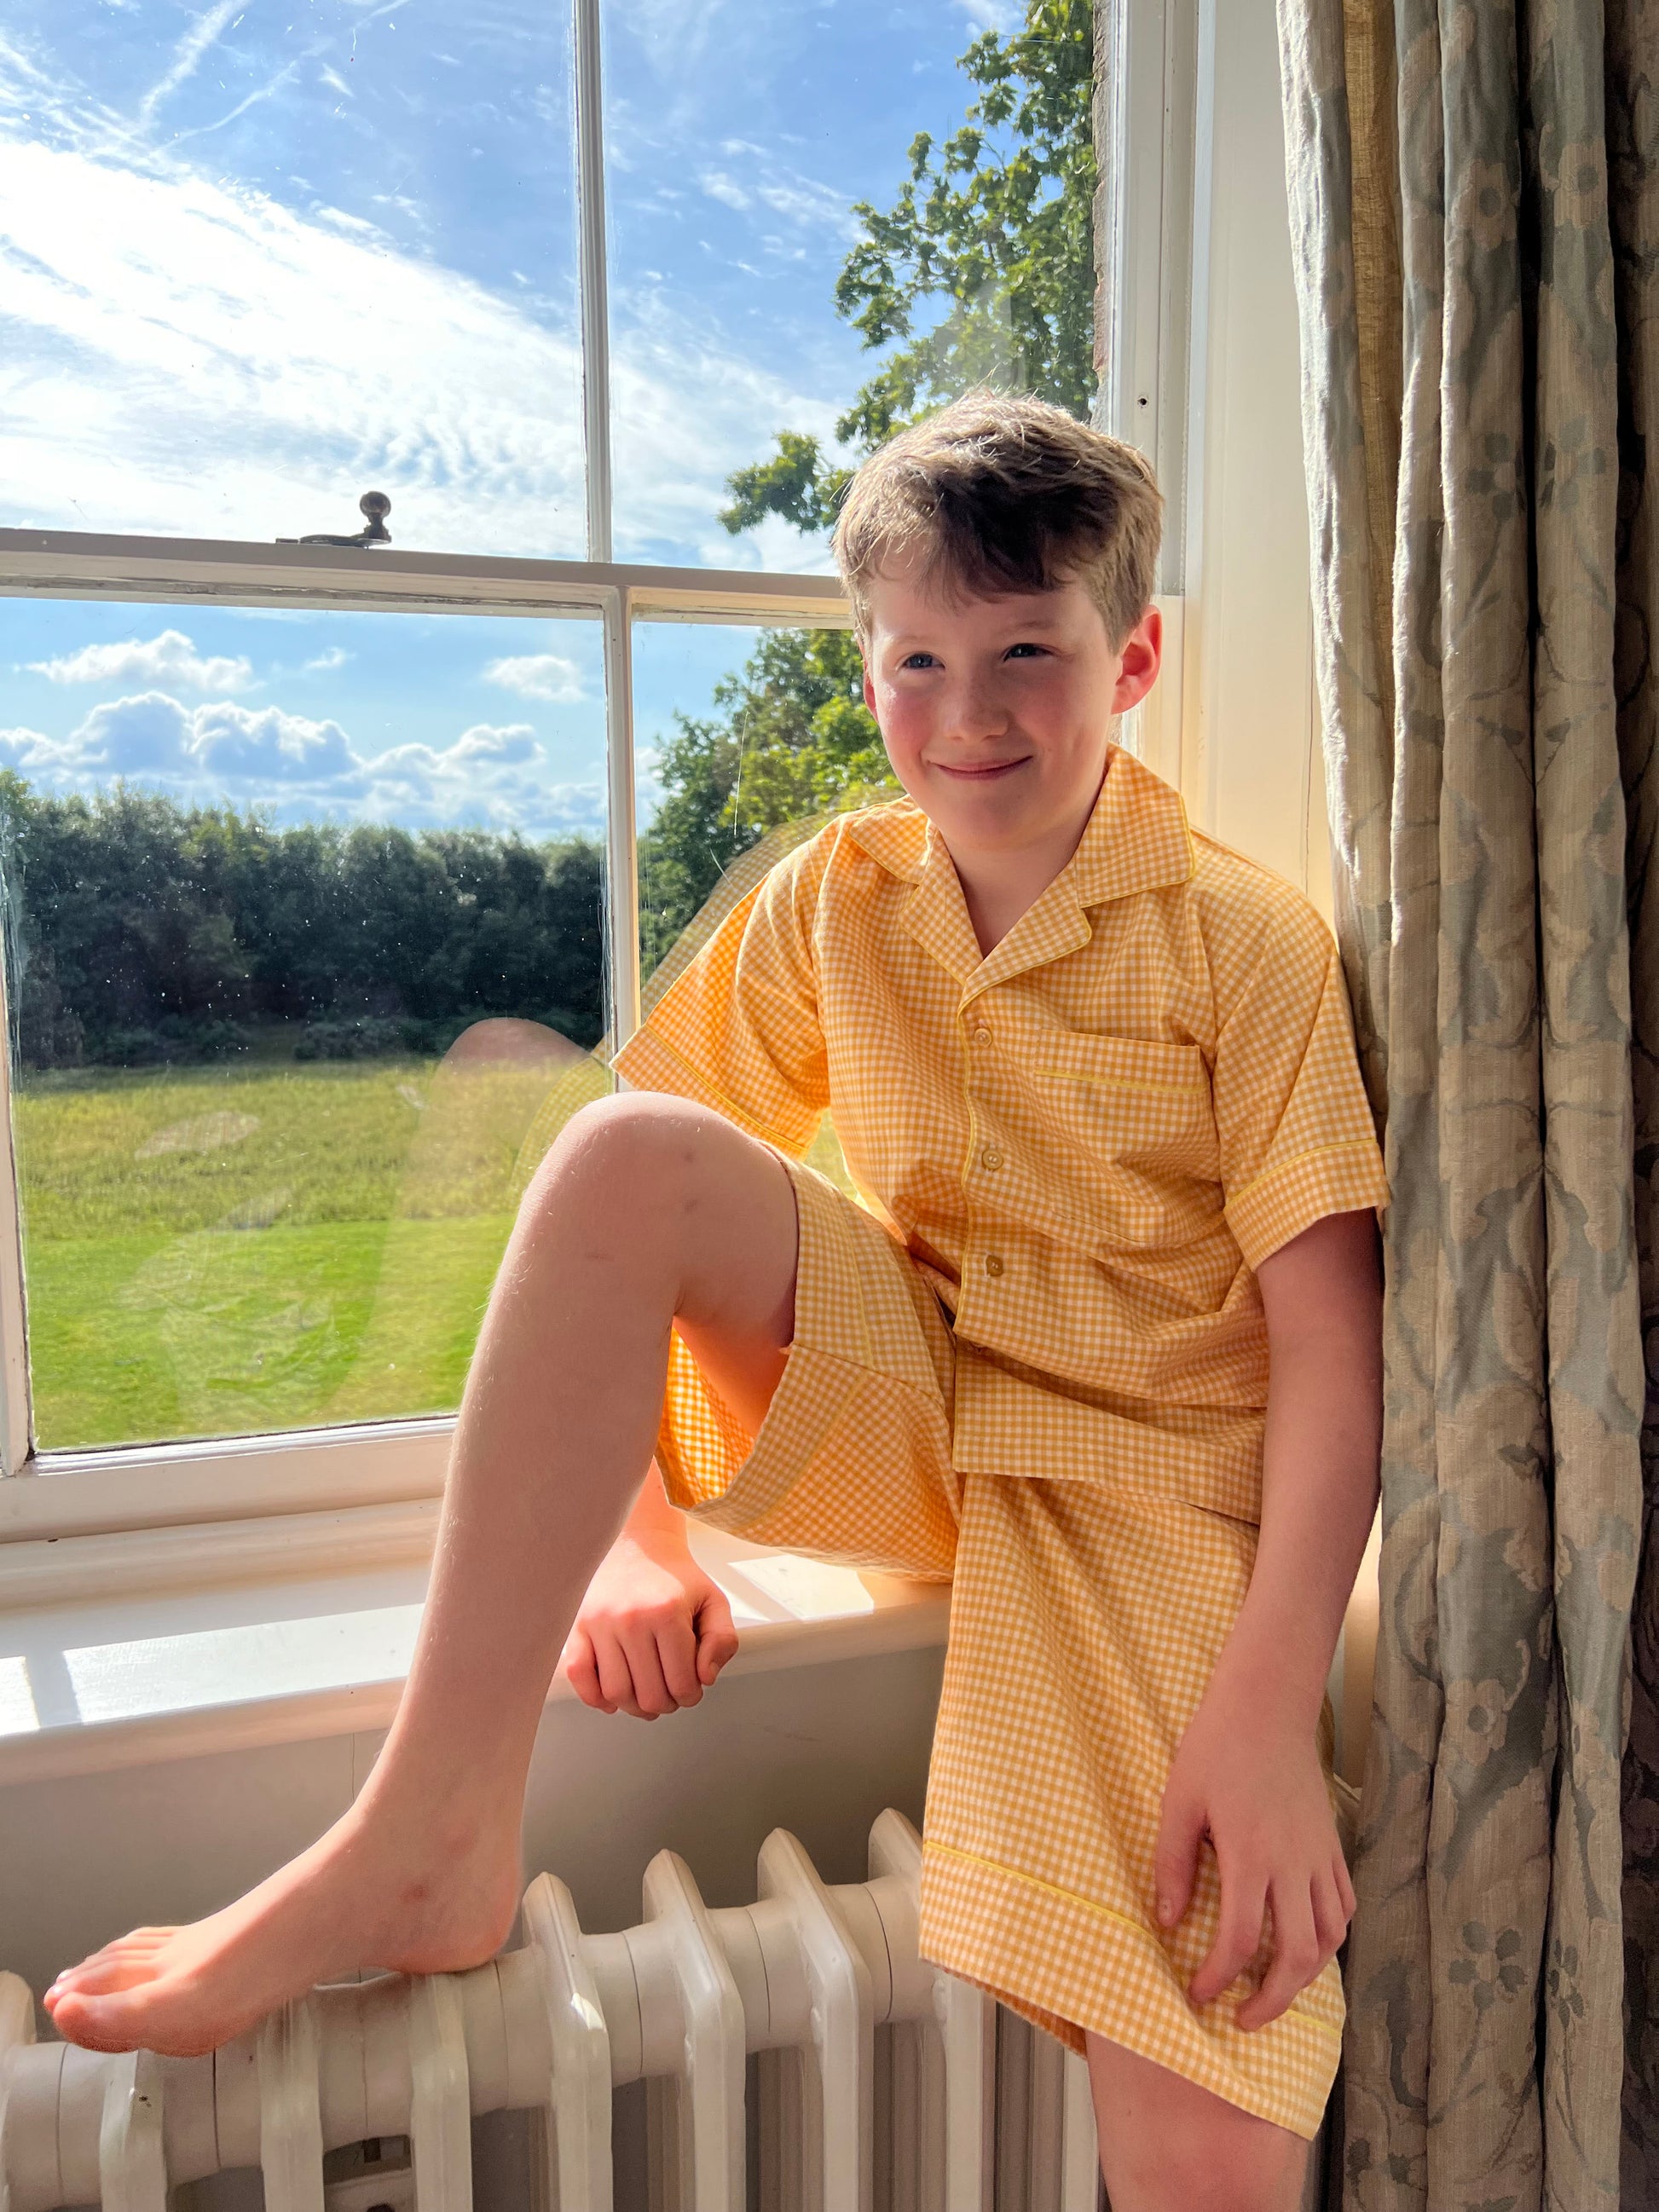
1085	1618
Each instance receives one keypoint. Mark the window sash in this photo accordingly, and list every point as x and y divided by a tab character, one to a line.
300	1471
1145	254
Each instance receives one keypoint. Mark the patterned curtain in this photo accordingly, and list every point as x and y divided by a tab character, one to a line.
1474	198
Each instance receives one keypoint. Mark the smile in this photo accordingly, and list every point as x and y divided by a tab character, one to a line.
985	772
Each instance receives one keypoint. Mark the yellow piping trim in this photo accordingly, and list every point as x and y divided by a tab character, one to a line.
1104	1911
1348	1145
1115	1082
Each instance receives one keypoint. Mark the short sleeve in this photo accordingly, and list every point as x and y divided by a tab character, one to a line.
739	1030
1295	1129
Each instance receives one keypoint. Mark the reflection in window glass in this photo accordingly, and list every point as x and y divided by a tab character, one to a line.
305	963
747	740
259	257
825	220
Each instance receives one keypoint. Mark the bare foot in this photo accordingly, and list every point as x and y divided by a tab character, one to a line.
364	1895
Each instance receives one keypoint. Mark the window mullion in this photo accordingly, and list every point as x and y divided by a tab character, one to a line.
15	1422
596	320
622	879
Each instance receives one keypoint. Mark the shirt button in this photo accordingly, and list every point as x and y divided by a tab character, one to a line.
982	1035
990	1158
992	1264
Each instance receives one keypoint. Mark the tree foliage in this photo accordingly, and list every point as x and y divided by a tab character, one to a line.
141	930
981	272
792	737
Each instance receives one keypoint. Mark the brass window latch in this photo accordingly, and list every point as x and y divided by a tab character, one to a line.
375	506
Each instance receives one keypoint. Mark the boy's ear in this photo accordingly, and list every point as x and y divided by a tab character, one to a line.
1141	656
869	691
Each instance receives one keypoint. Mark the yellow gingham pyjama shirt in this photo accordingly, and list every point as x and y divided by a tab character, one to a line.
1035	1358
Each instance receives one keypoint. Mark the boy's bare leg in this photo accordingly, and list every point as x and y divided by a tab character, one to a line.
648	1210
1168	2146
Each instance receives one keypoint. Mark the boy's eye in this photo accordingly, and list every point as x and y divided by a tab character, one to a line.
1022	650
918	660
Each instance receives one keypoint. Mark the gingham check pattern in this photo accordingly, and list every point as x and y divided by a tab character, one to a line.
1080	1147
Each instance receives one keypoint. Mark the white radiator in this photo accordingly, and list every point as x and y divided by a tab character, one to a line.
875	2085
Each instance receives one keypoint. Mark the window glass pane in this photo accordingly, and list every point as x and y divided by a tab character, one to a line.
257	258
770	276
747	741
305	940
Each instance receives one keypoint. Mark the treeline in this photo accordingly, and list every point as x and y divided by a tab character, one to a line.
790	738
142	931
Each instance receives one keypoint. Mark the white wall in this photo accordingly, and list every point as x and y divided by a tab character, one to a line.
1250	766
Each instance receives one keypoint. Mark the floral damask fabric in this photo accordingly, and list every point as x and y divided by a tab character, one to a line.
1475	196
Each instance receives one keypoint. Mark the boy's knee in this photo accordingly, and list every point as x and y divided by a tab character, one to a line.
1224	2169
640	1155
1169	2146
635	1142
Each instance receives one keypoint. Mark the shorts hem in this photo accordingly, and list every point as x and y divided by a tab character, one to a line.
761	1485
1070	1966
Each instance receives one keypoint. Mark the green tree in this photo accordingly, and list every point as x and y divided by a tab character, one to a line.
981	272
141	930
791	738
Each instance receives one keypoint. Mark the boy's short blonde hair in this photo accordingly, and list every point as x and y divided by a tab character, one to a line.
996	495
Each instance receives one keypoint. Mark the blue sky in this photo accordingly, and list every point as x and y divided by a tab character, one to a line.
431	721
256	255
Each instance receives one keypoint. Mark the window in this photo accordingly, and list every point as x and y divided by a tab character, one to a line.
326	866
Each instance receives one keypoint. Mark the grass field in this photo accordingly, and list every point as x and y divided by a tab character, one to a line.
218	1253
210	1253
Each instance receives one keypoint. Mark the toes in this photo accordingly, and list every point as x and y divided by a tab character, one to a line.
113	1970
139	2019
97	2023
143	1943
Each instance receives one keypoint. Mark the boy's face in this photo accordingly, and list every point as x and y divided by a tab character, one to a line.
996	711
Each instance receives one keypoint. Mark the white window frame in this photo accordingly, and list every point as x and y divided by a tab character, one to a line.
367	1482
375	1462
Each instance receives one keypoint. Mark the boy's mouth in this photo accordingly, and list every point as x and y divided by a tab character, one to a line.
979	771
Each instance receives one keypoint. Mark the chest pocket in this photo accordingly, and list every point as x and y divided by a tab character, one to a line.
1132	1129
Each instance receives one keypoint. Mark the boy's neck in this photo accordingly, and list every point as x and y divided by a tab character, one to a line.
1000	885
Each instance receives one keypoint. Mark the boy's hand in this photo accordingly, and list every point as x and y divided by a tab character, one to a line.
1248	1777
652	1631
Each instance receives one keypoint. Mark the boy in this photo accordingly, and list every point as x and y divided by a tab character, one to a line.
1094	1075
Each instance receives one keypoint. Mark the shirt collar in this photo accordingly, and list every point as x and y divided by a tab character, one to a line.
1137	838
895	836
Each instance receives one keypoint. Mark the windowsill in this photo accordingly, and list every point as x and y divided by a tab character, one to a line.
99	1681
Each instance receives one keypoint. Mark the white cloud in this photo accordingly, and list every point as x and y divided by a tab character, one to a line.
336	657
727	190
203	33
31	749
536	676
672	33
999	16
798	199
183	353
801	199
152	734
295	768
170	659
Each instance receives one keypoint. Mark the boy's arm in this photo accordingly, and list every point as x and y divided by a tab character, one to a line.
1247	1772
653	1629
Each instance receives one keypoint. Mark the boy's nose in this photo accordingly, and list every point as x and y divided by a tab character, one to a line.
973	711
